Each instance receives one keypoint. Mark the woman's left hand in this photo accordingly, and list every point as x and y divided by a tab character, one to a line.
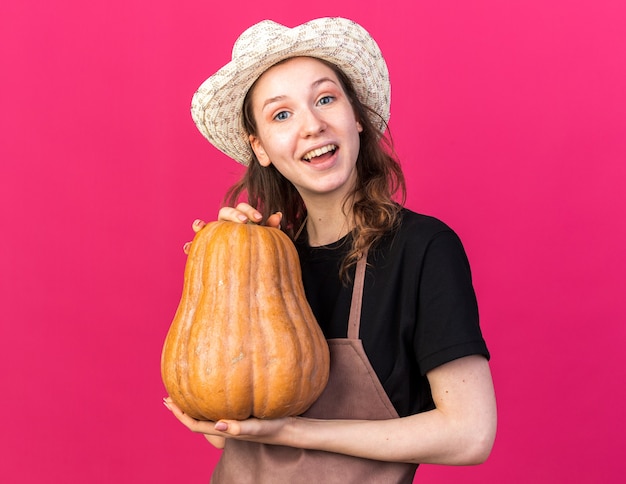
460	430
252	429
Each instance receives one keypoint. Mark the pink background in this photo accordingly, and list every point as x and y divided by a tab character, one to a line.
510	119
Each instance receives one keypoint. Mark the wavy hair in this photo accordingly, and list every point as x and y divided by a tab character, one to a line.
376	199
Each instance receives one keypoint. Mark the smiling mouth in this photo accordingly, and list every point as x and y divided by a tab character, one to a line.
319	152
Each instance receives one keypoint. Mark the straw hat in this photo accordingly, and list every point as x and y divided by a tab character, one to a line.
217	106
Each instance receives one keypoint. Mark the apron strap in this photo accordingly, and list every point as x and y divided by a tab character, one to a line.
354	321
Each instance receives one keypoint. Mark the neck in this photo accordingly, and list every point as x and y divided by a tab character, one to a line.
327	223
329	214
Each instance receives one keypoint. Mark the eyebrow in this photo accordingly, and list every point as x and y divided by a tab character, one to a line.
316	83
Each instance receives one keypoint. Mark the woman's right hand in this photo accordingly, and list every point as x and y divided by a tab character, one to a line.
242	213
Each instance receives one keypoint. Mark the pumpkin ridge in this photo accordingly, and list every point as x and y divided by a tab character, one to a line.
280	347
240	383
291	322
206	356
288	333
253	329
196	271
177	341
295	279
197	331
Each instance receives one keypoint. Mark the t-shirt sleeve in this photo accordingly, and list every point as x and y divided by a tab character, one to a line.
447	314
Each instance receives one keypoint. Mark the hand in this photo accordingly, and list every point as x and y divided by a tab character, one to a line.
196	226
252	429
216	440
243	213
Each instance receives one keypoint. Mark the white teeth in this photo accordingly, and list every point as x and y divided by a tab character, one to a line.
318	152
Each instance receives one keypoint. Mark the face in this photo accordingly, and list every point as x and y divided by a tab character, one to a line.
306	127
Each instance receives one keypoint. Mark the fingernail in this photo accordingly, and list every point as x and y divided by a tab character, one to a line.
196	222
258	216
221	426
186	247
242	217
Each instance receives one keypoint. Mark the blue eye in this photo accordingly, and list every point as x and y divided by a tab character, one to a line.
326	100
281	116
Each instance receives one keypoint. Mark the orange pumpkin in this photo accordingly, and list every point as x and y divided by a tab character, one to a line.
244	341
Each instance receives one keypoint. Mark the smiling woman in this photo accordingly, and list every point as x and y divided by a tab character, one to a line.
306	128
306	110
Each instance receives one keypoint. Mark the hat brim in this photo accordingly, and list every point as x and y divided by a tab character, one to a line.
217	106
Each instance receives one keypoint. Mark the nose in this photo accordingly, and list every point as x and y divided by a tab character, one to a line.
312	123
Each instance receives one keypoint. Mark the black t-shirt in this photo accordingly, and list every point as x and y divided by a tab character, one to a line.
419	308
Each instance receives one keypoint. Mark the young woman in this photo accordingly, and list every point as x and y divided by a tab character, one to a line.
306	109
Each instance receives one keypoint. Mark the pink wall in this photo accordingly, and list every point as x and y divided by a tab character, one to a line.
511	121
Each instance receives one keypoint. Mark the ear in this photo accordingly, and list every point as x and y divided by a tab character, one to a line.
359	127
259	151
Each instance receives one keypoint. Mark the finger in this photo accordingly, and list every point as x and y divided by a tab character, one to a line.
250	212
274	220
251	427
231	214
172	407
168	402
189	422
241	214
197	225
230	427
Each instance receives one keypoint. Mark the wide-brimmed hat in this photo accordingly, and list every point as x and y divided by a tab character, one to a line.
217	106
